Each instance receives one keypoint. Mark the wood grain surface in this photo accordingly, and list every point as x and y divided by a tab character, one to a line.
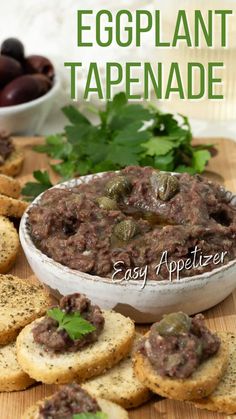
222	317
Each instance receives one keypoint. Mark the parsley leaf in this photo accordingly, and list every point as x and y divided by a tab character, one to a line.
88	415
73	323
32	189
200	159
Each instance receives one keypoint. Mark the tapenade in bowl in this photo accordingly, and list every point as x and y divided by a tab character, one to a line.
140	241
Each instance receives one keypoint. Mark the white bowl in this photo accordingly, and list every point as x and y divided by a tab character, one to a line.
28	118
191	295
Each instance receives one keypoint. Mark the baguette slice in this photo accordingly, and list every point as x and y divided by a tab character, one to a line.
12	377
9	245
113	344
200	384
223	399
9	186
20	303
13	165
11	207
119	384
112	410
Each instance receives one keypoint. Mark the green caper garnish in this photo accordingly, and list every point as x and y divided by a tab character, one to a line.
107	203
126	230
117	187
174	324
164	185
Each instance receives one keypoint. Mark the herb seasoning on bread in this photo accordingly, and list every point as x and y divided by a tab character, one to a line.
74	341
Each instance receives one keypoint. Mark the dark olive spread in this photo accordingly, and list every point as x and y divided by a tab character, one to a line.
134	217
6	147
178	344
48	333
68	401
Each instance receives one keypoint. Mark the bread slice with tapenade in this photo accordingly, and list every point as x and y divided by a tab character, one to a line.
223	398
10	207
13	164
9	245
9	186
12	377
72	398
20	303
113	344
181	360
119	384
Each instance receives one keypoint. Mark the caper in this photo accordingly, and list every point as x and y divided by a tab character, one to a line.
126	230
174	324
164	185
117	187
106	203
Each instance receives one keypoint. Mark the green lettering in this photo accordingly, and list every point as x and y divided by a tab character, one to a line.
140	28
93	73
223	14
182	21
73	78
107	29
130	80
212	80
192	67
156	85
174	73
110	80
81	28
158	41
207	30
127	29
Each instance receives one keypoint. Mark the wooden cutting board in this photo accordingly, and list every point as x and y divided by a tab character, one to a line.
222	317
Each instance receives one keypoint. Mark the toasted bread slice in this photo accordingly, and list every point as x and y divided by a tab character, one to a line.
113	344
12	377
20	304
10	207
9	245
9	186
112	410
223	399
200	384
13	165
119	384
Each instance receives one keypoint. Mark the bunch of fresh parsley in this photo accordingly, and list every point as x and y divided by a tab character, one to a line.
127	134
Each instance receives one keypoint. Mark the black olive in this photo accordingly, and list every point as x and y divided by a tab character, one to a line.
40	65
14	48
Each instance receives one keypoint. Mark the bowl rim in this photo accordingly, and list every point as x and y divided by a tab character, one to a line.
26	239
6	110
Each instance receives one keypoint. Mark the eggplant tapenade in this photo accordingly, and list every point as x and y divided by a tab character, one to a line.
53	338
178	344
136	216
6	147
68	401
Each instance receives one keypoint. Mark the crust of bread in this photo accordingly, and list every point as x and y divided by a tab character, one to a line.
223	399
112	410
13	165
113	344
201	383
9	186
119	384
10	207
21	302
9	245
12	377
